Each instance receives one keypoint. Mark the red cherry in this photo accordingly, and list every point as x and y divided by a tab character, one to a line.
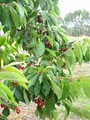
17	110
25	45
14	83
3	106
47	44
37	101
41	104
39	18
19	67
22	67
64	49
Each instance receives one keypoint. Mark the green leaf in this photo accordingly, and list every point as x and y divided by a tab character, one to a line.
8	92
41	78
33	80
3	94
44	16
50	105
65	89
45	87
13	69
6	112
21	11
26	97
85	84
2	40
78	53
40	49
15	16
37	88
60	62
82	112
55	115
56	89
50	40
13	76
70	56
51	52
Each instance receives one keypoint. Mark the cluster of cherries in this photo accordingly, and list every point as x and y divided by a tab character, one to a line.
47	44
39	101
20	67
62	49
39	18
3	106
16	108
14	83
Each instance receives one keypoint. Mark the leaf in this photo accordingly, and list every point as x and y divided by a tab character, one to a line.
41	78
15	16
85	84
45	87
6	112
56	89
8	75
33	80
70	56
8	92
60	62
44	16
40	49
37	88
50	105
55	115
2	40
21	10
3	94
65	89
26	97
6	17
51	52
19	95
82	112
78	53
13	69
50	40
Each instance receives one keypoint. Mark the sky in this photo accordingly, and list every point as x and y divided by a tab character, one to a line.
67	6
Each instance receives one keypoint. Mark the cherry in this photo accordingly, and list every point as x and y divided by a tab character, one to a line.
39	18
22	67
37	101
19	67
64	49
17	110
47	44
3	106
14	83
41	104
25	45
39	31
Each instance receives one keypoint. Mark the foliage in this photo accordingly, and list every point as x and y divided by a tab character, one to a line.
77	23
32	41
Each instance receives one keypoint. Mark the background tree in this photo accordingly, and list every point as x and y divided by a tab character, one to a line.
38	48
77	23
